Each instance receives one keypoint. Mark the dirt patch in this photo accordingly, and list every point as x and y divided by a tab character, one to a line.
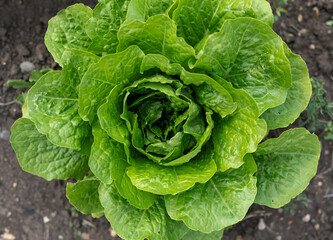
31	208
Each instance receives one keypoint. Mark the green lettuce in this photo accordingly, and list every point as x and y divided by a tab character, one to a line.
159	113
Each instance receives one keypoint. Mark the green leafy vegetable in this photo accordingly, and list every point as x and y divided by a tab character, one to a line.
39	156
287	162
164	104
84	195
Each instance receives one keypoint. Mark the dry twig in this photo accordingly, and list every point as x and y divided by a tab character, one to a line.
7	103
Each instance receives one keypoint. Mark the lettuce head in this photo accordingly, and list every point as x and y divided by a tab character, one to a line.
160	111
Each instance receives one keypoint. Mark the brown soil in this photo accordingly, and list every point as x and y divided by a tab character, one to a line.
32	208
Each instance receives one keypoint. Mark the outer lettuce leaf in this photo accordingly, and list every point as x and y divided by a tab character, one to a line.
158	179
250	55
53	106
77	61
192	235
285	166
40	157
263	11
84	195
298	95
177	230
143	9
52	103
66	30
100	79
108	162
157	36
129	222
102	28
217	204
154	223
198	18
238	134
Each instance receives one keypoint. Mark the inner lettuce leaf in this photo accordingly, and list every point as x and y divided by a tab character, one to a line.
163	180
103	76
240	133
159	111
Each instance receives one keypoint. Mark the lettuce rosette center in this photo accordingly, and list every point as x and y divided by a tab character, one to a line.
165	122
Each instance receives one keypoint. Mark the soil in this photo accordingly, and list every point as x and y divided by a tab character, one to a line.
32	208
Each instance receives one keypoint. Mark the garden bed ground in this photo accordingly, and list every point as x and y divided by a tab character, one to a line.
31	208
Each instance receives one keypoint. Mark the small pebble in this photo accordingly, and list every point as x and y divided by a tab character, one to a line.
60	237
320	184
320	211
41	52
317	226
14	185
22	50
5	135
280	210
315	12
290	222
27	66
279	238
85	236
14	70
303	31
261	224
306	218
7	235
46	219
300	18
239	237
113	233
312	46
